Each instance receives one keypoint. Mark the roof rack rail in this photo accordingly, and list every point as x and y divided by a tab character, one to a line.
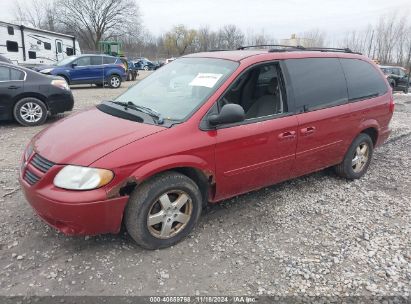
287	48
327	49
270	45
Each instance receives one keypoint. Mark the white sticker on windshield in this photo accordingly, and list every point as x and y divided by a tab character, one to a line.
205	80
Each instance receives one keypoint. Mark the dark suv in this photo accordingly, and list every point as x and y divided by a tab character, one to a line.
204	128
90	69
397	78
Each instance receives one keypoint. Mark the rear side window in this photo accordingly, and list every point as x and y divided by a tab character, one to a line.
4	74
96	60
109	60
16	74
363	79
12	46
317	83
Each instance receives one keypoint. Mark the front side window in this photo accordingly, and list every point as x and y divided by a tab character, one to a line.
363	79
177	89
259	91
4	74
83	61
12	46
317	83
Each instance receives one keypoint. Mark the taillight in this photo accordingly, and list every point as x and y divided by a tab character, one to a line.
392	104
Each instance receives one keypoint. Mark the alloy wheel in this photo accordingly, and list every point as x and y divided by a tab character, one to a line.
169	214
360	158
115	82
31	112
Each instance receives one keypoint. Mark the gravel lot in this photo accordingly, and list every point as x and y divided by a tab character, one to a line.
316	235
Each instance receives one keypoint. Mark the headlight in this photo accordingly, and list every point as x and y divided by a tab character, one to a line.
46	71
28	152
82	178
60	83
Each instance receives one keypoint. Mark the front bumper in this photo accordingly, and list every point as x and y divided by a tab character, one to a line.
60	101
72	212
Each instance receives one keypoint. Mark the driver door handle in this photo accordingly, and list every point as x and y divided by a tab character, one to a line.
287	135
13	87
307	131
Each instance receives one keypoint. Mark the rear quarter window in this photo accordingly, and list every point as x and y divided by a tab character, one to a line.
363	79
317	83
109	60
4	74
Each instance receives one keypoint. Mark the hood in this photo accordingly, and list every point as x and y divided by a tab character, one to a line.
83	138
43	67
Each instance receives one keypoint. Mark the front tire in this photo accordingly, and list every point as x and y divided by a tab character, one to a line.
357	159
30	112
114	81
163	211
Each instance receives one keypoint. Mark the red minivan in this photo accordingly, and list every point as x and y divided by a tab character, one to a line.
204	128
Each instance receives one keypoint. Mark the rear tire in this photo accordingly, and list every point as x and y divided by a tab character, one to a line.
30	112
114	81
163	211
357	159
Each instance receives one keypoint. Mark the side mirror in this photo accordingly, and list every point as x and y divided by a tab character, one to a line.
73	65
230	113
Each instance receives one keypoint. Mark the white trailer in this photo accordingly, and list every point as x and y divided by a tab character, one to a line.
28	46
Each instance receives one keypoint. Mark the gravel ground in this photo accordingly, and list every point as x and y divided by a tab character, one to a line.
316	235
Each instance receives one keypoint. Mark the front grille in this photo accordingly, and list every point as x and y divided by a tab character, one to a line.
31	178
36	162
41	163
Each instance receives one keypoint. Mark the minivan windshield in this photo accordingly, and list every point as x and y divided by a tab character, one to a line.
66	61
178	88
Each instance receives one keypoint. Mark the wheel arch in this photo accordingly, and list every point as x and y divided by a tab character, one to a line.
373	133
194	169
33	95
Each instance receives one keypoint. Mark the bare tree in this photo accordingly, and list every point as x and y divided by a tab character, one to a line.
37	13
312	38
94	20
230	37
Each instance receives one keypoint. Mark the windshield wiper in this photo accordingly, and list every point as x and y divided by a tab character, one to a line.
146	110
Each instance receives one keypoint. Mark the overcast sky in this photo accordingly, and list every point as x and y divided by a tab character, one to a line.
278	18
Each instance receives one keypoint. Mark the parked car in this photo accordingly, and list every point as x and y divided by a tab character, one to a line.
204	128
397	78
28	96
4	59
169	60
147	65
132	71
89	69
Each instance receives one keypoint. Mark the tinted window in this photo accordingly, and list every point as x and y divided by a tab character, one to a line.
363	79
69	51
109	60
96	60
12	46
47	46
10	30
16	74
82	61
32	55
4	74
317	83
